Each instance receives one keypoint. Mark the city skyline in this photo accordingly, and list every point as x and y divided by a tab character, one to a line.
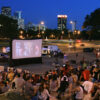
38	10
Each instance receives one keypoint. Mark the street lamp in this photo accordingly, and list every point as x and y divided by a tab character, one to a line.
38	35
52	36
78	32
21	37
73	25
69	31
1	25
41	24
21	34
73	30
42	32
62	33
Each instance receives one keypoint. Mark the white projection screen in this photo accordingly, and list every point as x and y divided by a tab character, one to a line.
26	48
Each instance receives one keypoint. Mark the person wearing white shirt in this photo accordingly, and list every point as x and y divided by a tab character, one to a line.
88	86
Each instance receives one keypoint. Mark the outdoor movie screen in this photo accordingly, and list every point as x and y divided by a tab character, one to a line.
26	48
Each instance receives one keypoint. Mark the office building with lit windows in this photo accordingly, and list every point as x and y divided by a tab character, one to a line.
62	20
6	11
18	17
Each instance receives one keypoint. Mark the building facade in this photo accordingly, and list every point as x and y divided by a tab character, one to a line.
62	20
6	11
29	26
18	17
20	23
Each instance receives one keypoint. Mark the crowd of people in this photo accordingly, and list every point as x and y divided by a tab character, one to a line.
65	82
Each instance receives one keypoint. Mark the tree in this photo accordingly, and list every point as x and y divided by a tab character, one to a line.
8	27
56	33
92	21
31	33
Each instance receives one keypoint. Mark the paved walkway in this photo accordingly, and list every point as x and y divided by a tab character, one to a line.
48	62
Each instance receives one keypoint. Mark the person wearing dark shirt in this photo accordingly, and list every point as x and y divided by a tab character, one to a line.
62	88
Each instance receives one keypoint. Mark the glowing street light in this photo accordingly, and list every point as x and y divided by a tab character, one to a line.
52	35
38	35
71	22
1	25
73	25
78	32
42	32
42	23
62	32
21	37
21	32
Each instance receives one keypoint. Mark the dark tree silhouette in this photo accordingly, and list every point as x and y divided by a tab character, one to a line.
92	21
8	27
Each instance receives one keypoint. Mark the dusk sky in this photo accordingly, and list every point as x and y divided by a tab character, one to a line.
47	10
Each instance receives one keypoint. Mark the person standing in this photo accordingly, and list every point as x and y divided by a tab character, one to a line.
78	92
88	87
65	58
43	93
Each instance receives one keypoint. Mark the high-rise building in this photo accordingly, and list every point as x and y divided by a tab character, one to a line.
20	23
62	20
18	17
40	27
29	26
6	11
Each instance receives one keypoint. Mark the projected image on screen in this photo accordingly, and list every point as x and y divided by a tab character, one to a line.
26	48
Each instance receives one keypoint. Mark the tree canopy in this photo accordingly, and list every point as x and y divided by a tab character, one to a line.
92	26
93	19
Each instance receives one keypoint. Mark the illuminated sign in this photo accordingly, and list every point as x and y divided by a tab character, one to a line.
62	16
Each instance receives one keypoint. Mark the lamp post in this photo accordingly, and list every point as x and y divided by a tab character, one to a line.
52	36
62	33
69	31
73	25
73	30
1	25
78	32
41	23
21	34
